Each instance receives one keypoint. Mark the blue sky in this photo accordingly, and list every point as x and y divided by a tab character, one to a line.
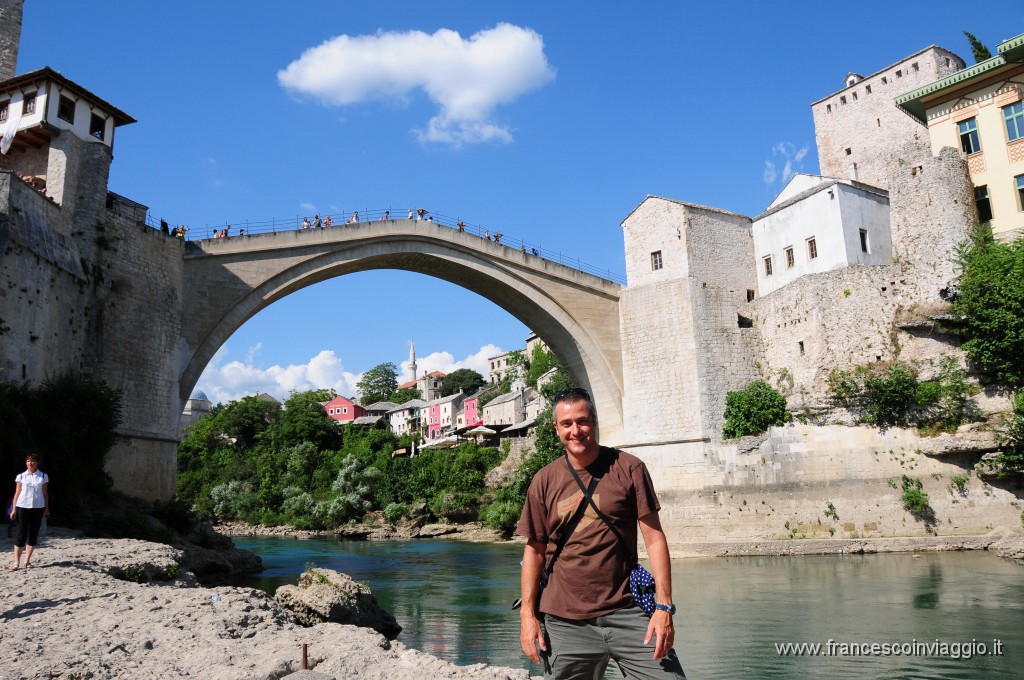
547	121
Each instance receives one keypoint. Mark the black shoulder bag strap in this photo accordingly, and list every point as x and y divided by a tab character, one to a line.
570	527
588	493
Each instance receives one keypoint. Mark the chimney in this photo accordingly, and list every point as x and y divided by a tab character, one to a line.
10	36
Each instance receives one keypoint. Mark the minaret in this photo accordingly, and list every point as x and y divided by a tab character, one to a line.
412	358
10	36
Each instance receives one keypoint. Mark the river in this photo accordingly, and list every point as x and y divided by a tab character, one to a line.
452	599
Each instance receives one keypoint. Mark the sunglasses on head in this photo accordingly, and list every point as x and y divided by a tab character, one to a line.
572	392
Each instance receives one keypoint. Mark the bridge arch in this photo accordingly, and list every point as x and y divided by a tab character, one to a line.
227	281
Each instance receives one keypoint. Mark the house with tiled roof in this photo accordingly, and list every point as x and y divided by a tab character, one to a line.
344	409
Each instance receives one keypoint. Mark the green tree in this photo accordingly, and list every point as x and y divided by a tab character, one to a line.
463	380
978	49
753	410
244	420
305	420
990	299
405	394
1010	459
891	391
72	419
541	361
378	383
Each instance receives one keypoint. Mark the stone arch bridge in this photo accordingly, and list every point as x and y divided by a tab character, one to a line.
227	281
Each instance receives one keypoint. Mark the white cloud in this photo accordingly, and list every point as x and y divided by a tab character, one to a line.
466	77
446	363
224	382
308	207
791	159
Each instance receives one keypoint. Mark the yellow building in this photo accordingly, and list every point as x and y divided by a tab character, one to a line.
980	111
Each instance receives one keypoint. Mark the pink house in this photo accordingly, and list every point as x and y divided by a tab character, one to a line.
343	410
433	421
472	416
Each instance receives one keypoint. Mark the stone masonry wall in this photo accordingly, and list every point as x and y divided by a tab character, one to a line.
682	347
44	291
868	124
92	292
10	36
847	317
728	356
140	275
659	363
932	211
792	476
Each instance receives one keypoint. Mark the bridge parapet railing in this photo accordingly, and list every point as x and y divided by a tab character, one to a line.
274	225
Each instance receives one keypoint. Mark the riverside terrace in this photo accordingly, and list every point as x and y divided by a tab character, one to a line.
374	215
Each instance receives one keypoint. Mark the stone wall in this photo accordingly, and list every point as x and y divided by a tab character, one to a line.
748	490
89	291
142	278
849	316
10	36
932	211
860	125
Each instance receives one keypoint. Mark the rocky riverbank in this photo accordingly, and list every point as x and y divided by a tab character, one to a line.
1002	541
373	530
121	608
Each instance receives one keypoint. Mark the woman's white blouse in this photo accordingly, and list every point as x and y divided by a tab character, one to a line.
32	489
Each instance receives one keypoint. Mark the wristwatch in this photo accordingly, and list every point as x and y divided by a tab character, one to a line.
670	608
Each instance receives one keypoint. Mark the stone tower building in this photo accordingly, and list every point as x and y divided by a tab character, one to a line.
858	128
684	344
10	36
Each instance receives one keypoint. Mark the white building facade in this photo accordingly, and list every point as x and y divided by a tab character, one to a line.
818	224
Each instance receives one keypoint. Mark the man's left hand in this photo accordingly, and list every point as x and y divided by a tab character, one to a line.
661	630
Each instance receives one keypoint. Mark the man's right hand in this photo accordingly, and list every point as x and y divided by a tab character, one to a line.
531	636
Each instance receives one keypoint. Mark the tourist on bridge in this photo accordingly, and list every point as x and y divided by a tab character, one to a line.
317	223
31	505
355	217
328	222
497	236
305	223
487	234
534	251
589	612
461	225
410	214
385	217
421	213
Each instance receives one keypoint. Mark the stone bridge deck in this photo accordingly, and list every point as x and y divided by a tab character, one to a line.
227	281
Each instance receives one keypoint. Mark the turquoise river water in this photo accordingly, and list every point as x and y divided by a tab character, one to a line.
453	598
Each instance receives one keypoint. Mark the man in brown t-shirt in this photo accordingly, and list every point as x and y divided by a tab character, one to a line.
588	610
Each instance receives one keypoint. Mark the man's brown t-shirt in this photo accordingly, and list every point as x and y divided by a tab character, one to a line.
591	576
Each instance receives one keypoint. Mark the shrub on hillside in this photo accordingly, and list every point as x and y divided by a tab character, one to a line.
989	297
889	394
753	410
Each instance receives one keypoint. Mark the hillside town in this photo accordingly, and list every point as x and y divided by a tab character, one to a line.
505	406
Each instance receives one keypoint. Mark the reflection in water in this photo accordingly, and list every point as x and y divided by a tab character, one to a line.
453	599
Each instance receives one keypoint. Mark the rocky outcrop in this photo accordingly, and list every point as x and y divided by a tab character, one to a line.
327	595
82	612
1010	545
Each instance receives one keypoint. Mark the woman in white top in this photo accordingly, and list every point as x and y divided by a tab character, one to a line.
31	504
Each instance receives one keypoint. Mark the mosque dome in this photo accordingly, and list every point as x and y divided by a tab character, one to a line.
199	394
